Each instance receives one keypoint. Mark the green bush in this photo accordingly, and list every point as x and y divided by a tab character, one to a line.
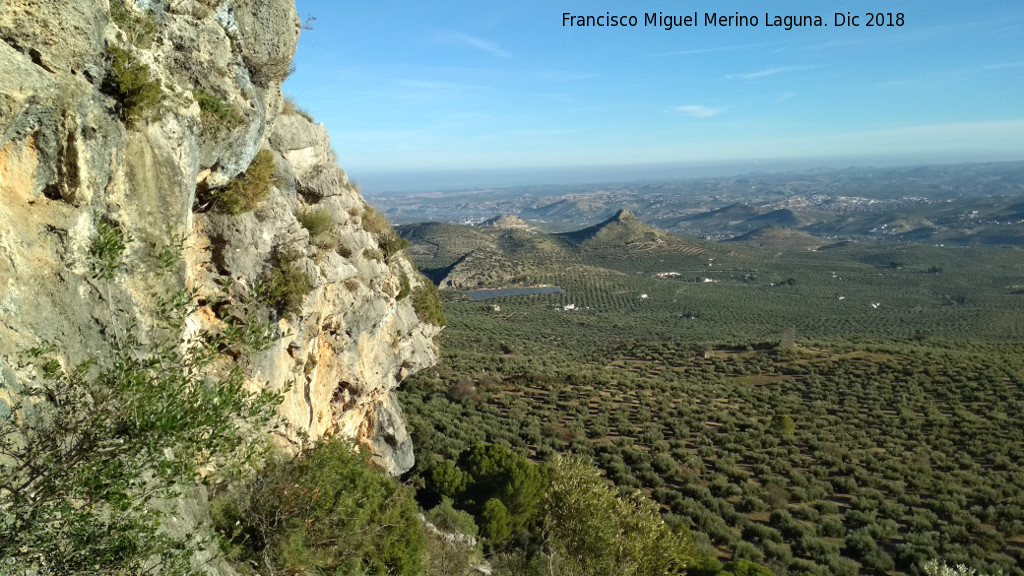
316	221
427	302
498	524
246	321
374	222
406	288
391	245
743	567
707	566
493	471
95	445
448	480
446	557
250	188
129	81
878	560
377	224
140	30
831	527
745	551
215	112
447	518
327	511
168	251
287	288
373	254
593	531
783	424
107	248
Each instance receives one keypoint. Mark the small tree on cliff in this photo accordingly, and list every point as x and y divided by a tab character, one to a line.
88	449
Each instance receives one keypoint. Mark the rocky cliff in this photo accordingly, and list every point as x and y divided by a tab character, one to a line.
142	117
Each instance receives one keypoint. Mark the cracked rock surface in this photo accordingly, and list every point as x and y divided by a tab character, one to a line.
68	159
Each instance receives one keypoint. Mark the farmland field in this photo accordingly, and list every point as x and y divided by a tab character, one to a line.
850	409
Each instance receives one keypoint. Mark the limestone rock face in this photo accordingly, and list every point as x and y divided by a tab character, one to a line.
69	160
355	338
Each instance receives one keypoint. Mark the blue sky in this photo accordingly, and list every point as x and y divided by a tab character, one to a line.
411	87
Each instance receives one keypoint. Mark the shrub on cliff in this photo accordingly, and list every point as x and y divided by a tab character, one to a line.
286	287
130	82
391	245
107	248
250	188
373	254
405	288
427	302
267	72
290	107
215	112
93	445
326	511
377	224
374	222
318	222
446	517
139	29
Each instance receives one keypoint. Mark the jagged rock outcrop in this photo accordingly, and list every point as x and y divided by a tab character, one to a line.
74	150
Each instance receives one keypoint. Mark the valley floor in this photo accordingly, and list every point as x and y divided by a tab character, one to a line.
854	409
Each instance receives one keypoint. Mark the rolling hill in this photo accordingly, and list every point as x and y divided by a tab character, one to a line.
623	228
780	238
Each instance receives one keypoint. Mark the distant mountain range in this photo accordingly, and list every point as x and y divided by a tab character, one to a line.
464	256
969	204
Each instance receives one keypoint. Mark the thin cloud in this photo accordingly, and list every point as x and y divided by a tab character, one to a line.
468	40
769	72
696	51
438	85
698	111
413	90
687	52
1003	65
937	79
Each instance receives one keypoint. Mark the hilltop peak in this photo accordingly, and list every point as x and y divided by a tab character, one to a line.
623	215
506	221
622	228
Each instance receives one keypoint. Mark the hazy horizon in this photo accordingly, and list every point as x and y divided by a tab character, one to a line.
412	182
